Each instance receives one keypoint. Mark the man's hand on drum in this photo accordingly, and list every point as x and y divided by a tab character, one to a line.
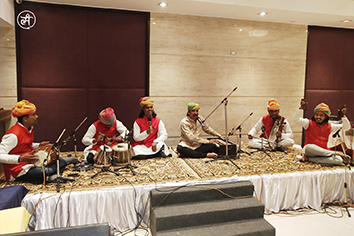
44	143
153	146
118	139
28	157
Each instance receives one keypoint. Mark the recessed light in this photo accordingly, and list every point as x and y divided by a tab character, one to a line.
262	13
346	21
162	4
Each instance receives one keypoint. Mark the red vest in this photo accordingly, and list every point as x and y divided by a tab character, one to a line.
316	134
143	123
24	145
268	123
103	129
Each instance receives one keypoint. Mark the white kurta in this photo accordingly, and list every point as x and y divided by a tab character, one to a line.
140	136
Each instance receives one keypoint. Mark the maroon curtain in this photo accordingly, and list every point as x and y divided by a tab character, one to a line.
330	69
76	61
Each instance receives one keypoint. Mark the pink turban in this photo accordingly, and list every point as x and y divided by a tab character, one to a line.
107	116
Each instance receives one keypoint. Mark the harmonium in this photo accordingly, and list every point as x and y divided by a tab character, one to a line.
221	144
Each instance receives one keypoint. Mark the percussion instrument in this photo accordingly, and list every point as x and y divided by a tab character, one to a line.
103	156
46	155
121	154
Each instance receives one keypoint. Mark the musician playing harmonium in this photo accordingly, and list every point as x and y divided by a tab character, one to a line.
191	143
149	132
276	130
106	130
18	151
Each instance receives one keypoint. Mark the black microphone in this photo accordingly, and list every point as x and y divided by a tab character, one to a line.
336	133
149	118
200	121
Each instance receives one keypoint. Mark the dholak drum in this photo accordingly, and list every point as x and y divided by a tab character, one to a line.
121	154
101	159
46	156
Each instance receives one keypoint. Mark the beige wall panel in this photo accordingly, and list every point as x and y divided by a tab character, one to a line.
190	61
180	34
178	75
8	83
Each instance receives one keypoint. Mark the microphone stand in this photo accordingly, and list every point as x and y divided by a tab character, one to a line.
104	167
347	165
55	146
226	157
262	149
239	128
73	134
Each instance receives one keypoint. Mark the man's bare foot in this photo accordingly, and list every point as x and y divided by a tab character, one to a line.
304	158
212	155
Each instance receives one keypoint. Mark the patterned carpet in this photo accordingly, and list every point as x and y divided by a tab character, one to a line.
171	169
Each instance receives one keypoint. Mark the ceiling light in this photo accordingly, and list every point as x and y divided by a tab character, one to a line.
346	21
262	13
162	4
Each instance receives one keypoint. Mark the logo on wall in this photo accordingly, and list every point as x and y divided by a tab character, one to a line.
26	19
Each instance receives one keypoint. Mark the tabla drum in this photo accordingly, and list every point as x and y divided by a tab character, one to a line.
103	156
46	156
121	154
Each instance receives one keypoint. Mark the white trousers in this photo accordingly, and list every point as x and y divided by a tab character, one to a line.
322	156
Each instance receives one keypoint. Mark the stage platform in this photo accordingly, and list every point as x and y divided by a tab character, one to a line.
281	183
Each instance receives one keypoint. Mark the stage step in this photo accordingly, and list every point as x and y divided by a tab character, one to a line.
203	210
243	227
200	193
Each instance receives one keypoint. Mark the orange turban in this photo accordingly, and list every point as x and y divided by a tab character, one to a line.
273	105
23	108
323	107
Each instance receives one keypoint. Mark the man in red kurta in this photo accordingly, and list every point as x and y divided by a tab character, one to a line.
317	132
106	130
149	132
17	149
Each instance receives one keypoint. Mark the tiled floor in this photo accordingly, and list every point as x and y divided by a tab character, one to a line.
302	224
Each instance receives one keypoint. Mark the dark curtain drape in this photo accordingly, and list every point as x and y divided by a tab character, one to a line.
76	61
330	69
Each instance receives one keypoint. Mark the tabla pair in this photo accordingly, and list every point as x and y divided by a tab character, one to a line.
118	155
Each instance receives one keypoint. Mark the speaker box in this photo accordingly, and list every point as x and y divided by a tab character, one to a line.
85	230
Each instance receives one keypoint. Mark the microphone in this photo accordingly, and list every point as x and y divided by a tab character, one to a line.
149	118
200	121
336	133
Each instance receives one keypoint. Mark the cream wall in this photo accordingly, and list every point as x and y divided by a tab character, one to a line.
8	83
190	60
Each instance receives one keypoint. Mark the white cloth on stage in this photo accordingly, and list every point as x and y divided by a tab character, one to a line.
119	206
140	136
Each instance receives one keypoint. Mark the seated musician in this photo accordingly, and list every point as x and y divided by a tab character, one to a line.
191	143
281	130
317	132
107	129
17	149
149	132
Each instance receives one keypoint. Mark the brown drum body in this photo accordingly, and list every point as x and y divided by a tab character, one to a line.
121	154
46	155
99	158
